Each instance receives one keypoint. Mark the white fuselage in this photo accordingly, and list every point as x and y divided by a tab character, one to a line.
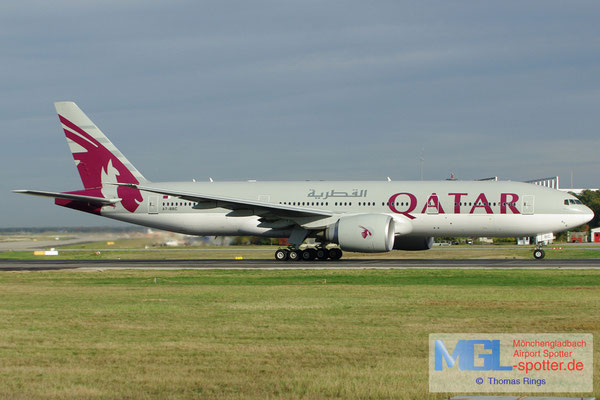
443	208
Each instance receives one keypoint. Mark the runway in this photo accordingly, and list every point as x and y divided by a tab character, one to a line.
50	265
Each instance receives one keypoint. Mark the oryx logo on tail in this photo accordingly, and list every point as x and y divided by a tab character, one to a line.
98	161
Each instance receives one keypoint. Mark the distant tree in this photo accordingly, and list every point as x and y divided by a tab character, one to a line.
591	198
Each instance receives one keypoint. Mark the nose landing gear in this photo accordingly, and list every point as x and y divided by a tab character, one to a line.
538	253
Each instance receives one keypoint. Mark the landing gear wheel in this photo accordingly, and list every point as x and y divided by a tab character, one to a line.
335	254
282	254
309	254
538	254
295	255
322	254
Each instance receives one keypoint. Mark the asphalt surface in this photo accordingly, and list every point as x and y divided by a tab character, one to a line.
54	264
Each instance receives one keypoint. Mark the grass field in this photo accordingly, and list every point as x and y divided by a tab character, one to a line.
264	334
142	248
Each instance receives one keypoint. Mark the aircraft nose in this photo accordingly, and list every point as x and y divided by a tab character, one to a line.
589	214
579	215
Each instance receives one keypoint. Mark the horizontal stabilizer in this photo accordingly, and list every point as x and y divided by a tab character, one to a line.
69	196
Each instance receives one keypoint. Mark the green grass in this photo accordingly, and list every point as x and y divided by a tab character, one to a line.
161	254
145	248
89	252
264	334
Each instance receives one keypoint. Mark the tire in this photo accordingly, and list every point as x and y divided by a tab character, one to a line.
309	254
282	255
322	254
538	254
335	254
295	255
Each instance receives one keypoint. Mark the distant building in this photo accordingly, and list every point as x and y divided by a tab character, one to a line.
553	182
595	235
577	191
577	237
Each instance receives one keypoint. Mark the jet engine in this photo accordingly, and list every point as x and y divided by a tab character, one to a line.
413	243
367	233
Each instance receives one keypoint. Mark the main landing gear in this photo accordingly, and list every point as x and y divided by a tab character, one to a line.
308	254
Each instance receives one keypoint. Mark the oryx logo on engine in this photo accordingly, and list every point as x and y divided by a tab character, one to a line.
365	233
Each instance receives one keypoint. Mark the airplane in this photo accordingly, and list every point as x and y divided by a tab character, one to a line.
358	216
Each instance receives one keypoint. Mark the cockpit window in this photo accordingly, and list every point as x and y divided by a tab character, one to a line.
572	201
566	202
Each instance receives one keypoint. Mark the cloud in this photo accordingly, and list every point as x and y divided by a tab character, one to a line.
297	90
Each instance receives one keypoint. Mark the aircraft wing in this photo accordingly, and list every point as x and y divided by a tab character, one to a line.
260	208
69	196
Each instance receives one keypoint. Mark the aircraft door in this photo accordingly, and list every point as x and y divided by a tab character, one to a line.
528	204
433	205
153	205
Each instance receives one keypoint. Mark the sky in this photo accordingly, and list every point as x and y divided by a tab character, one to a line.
297	90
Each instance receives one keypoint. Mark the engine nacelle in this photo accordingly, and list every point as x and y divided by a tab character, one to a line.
366	233
413	243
